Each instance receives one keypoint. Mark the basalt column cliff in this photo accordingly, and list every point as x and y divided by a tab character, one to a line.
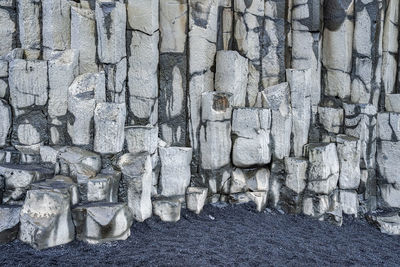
113	111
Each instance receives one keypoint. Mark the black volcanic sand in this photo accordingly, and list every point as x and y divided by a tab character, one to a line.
230	235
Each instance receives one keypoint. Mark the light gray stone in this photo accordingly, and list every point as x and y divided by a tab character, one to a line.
360	122
61	184
102	222
251	128
141	139
116	80
388	223
18	178
56	21
388	126
28	84
9	223
175	170
143	15
243	180
83	38
231	75
215	131
7	31
104	187
349	153
168	209
29	24
111	26
173	23
5	122
300	86
136	184
195	198
392	102
349	202
296	174
63	69
109	121
277	98
46	219
84	93
331	119
324	168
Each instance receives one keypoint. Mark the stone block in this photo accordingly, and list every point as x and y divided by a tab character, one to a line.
9	222
349	153
167	208
196	198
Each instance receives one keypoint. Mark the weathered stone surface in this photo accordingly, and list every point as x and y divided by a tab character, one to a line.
8	31
136	184
84	93
259	198
203	24
102	222
46	219
78	163
56	24
360	122
324	168
243	180
109	121
63	68
104	187
83	38
141	139
5	122
175	170
388	126
273	63
251	128
196	198
231	75
167	208
316	206
28	84
61	184
390	46
18	178
392	102
349	201
143	15
173	23
388	223
300	84
349	153
337	47
111	25
142	77
215	132
296	174
116	81
331	119
277	98
29	24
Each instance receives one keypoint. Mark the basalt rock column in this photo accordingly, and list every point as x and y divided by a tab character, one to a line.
56	30
29	27
203	18
8	31
172	105
248	33
273	52
337	47
215	140
143	58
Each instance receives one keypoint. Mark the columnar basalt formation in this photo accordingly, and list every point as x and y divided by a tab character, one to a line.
112	111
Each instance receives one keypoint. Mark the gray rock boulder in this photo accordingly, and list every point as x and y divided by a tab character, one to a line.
9	223
102	222
167	208
196	198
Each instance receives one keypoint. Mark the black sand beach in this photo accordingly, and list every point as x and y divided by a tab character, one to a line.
225	236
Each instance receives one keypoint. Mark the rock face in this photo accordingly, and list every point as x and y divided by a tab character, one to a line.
46	219
168	209
136	184
102	222
175	170
195	198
